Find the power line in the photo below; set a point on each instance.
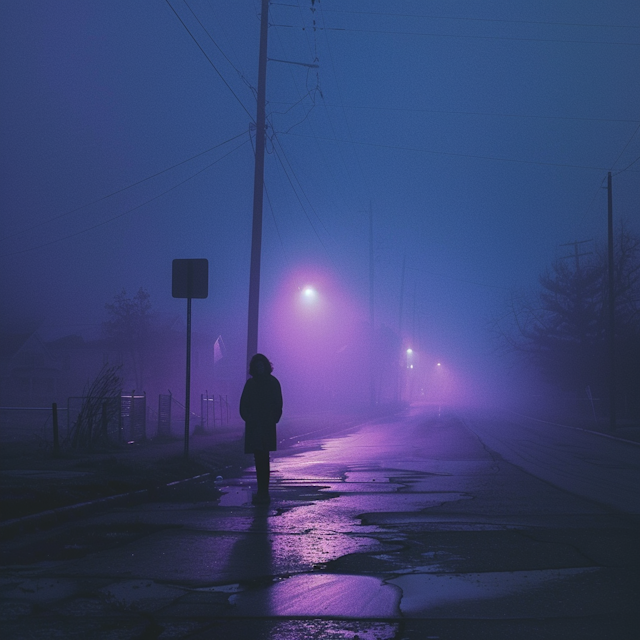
(240, 74)
(474, 113)
(286, 173)
(124, 213)
(633, 135)
(491, 20)
(626, 168)
(273, 216)
(311, 53)
(312, 96)
(286, 257)
(114, 193)
(346, 120)
(317, 90)
(210, 61)
(453, 154)
(293, 173)
(455, 35)
(599, 188)
(593, 198)
(315, 231)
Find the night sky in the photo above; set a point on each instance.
(479, 135)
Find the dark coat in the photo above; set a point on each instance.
(261, 409)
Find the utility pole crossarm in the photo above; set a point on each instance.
(576, 252)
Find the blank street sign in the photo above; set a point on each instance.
(190, 278)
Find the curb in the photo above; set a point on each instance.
(56, 516)
(566, 426)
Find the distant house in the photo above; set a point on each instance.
(29, 373)
(34, 373)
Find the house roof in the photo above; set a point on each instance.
(11, 343)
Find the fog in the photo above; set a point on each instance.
(476, 138)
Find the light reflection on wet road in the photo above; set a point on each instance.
(414, 519)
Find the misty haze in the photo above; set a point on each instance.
(422, 216)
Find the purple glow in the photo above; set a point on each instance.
(313, 336)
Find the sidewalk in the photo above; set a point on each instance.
(405, 528)
(33, 481)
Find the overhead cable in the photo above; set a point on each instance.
(114, 193)
(451, 153)
(210, 62)
(473, 113)
(460, 36)
(491, 20)
(124, 213)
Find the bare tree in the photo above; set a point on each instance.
(100, 407)
(562, 328)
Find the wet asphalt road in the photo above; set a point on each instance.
(438, 524)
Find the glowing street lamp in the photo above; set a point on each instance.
(309, 294)
(409, 358)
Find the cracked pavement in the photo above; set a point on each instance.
(432, 524)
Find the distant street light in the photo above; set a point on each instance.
(409, 358)
(309, 294)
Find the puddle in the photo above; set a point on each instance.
(235, 496)
(438, 562)
(334, 630)
(495, 594)
(321, 595)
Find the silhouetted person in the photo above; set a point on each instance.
(261, 409)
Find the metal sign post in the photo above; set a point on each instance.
(190, 279)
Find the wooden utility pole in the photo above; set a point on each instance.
(258, 190)
(371, 267)
(413, 322)
(372, 368)
(187, 392)
(612, 333)
(399, 369)
(404, 264)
